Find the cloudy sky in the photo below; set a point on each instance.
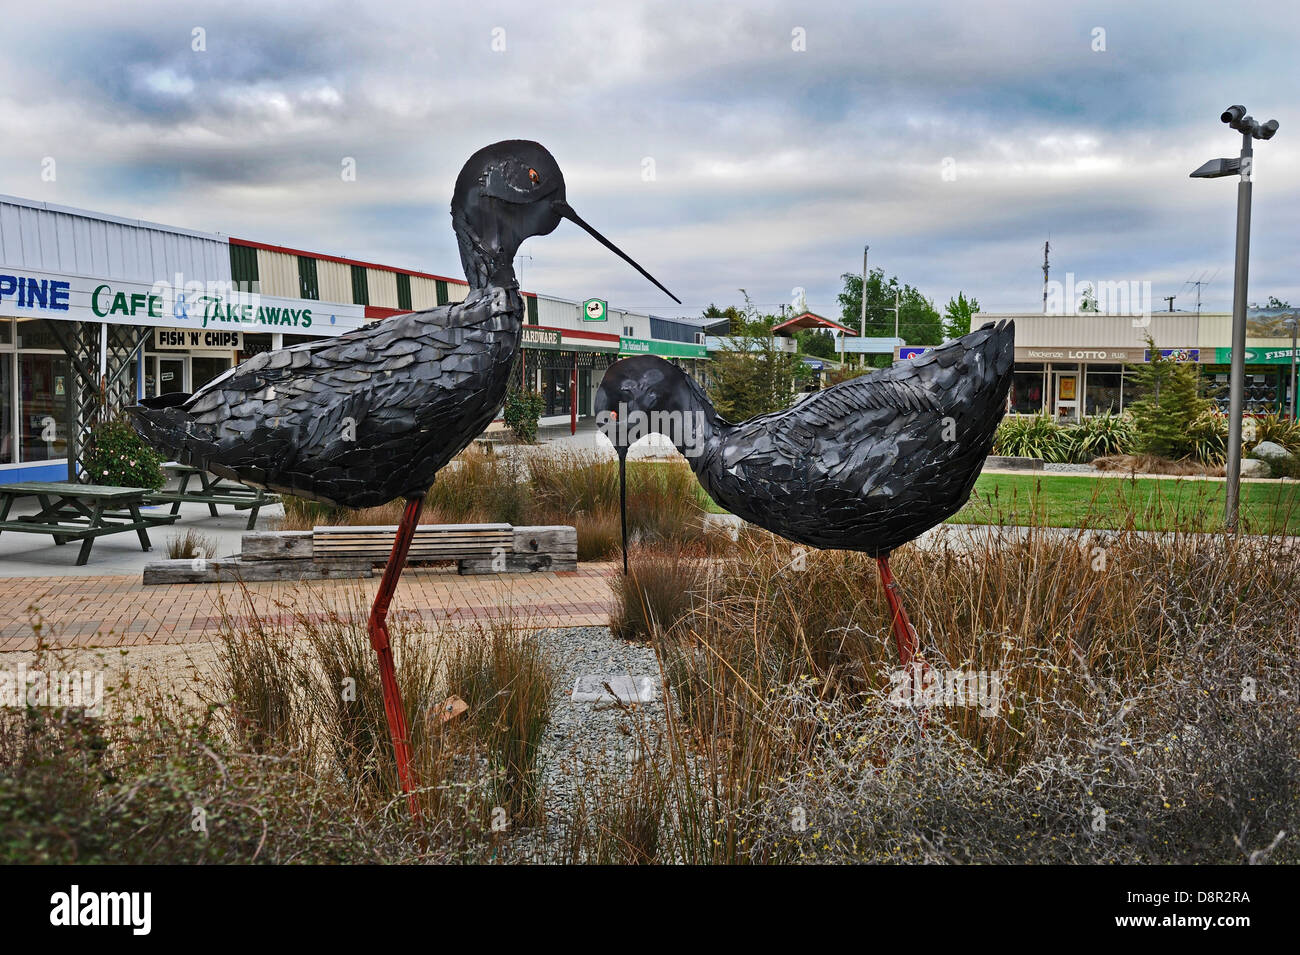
(724, 145)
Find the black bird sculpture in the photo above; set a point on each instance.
(866, 465)
(372, 415)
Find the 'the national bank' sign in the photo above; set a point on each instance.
(191, 305)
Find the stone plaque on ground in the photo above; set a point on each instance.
(591, 688)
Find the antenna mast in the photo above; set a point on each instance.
(1047, 247)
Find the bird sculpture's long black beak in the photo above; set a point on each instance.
(566, 210)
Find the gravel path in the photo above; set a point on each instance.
(1069, 468)
(591, 739)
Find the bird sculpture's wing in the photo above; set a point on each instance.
(332, 419)
(875, 457)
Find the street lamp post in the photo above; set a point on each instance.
(862, 329)
(1294, 322)
(1236, 117)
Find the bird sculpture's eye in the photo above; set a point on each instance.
(533, 177)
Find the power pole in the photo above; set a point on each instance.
(1170, 300)
(862, 331)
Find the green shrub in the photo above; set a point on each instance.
(1033, 436)
(1100, 436)
(1207, 438)
(118, 457)
(1276, 428)
(522, 411)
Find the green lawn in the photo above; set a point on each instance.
(1063, 500)
(1070, 500)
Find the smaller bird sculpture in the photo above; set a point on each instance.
(372, 415)
(866, 465)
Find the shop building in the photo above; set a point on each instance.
(97, 311)
(568, 345)
(1072, 366)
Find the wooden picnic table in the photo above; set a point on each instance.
(81, 512)
(212, 490)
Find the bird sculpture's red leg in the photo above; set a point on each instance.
(378, 627)
(904, 633)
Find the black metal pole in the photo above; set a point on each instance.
(1237, 378)
(1295, 326)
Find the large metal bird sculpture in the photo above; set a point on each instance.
(866, 465)
(372, 415)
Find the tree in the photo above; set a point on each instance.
(918, 322)
(733, 315)
(816, 342)
(958, 314)
(1170, 405)
(753, 376)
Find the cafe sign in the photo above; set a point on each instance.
(168, 303)
(182, 339)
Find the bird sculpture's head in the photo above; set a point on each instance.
(642, 394)
(509, 192)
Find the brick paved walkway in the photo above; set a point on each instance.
(114, 611)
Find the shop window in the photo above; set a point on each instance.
(308, 283)
(1102, 391)
(1027, 389)
(171, 375)
(555, 389)
(203, 369)
(243, 267)
(1262, 393)
(6, 331)
(8, 440)
(36, 333)
(43, 388)
(360, 290)
(1131, 392)
(403, 291)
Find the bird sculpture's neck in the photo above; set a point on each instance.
(487, 260)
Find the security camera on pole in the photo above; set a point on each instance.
(1236, 117)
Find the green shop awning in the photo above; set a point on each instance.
(647, 346)
(1256, 356)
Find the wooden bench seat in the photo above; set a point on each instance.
(431, 542)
